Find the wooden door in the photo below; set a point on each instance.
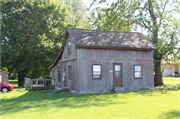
(117, 75)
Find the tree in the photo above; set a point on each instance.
(32, 32)
(112, 18)
(159, 19)
(162, 27)
(77, 13)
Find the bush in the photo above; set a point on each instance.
(176, 74)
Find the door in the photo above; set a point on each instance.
(117, 75)
(168, 71)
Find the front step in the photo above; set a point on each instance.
(119, 89)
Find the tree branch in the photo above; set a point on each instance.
(162, 13)
(153, 17)
(146, 26)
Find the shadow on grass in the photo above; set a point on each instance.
(40, 99)
(159, 89)
(171, 115)
(169, 87)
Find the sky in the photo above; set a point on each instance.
(87, 2)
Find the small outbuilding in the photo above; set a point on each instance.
(4, 76)
(99, 61)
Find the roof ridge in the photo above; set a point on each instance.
(103, 31)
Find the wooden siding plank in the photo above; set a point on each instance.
(107, 58)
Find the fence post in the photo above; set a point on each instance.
(27, 83)
(31, 84)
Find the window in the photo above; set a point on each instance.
(69, 47)
(69, 72)
(52, 72)
(117, 70)
(59, 73)
(97, 71)
(137, 71)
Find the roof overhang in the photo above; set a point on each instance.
(116, 48)
(4, 72)
(60, 53)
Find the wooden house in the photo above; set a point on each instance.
(4, 76)
(99, 61)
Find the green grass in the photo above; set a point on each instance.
(162, 103)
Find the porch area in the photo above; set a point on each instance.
(39, 84)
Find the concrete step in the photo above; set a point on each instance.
(120, 89)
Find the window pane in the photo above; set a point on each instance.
(96, 76)
(69, 47)
(69, 43)
(96, 71)
(69, 72)
(59, 73)
(137, 68)
(117, 68)
(70, 68)
(96, 67)
(137, 74)
(59, 77)
(117, 74)
(69, 50)
(69, 76)
(59, 69)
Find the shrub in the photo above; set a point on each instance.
(176, 74)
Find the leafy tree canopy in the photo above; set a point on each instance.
(77, 13)
(32, 32)
(159, 18)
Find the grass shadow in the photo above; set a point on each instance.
(40, 100)
(171, 115)
(168, 87)
(36, 99)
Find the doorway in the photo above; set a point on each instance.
(117, 75)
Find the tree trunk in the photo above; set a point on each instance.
(21, 76)
(20, 79)
(158, 75)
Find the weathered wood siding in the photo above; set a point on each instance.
(52, 74)
(66, 56)
(87, 57)
(4, 76)
(64, 62)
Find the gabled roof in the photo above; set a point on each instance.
(106, 39)
(110, 39)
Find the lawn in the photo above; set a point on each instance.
(161, 103)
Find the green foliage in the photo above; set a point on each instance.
(32, 32)
(162, 103)
(159, 18)
(4, 69)
(77, 14)
(115, 17)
